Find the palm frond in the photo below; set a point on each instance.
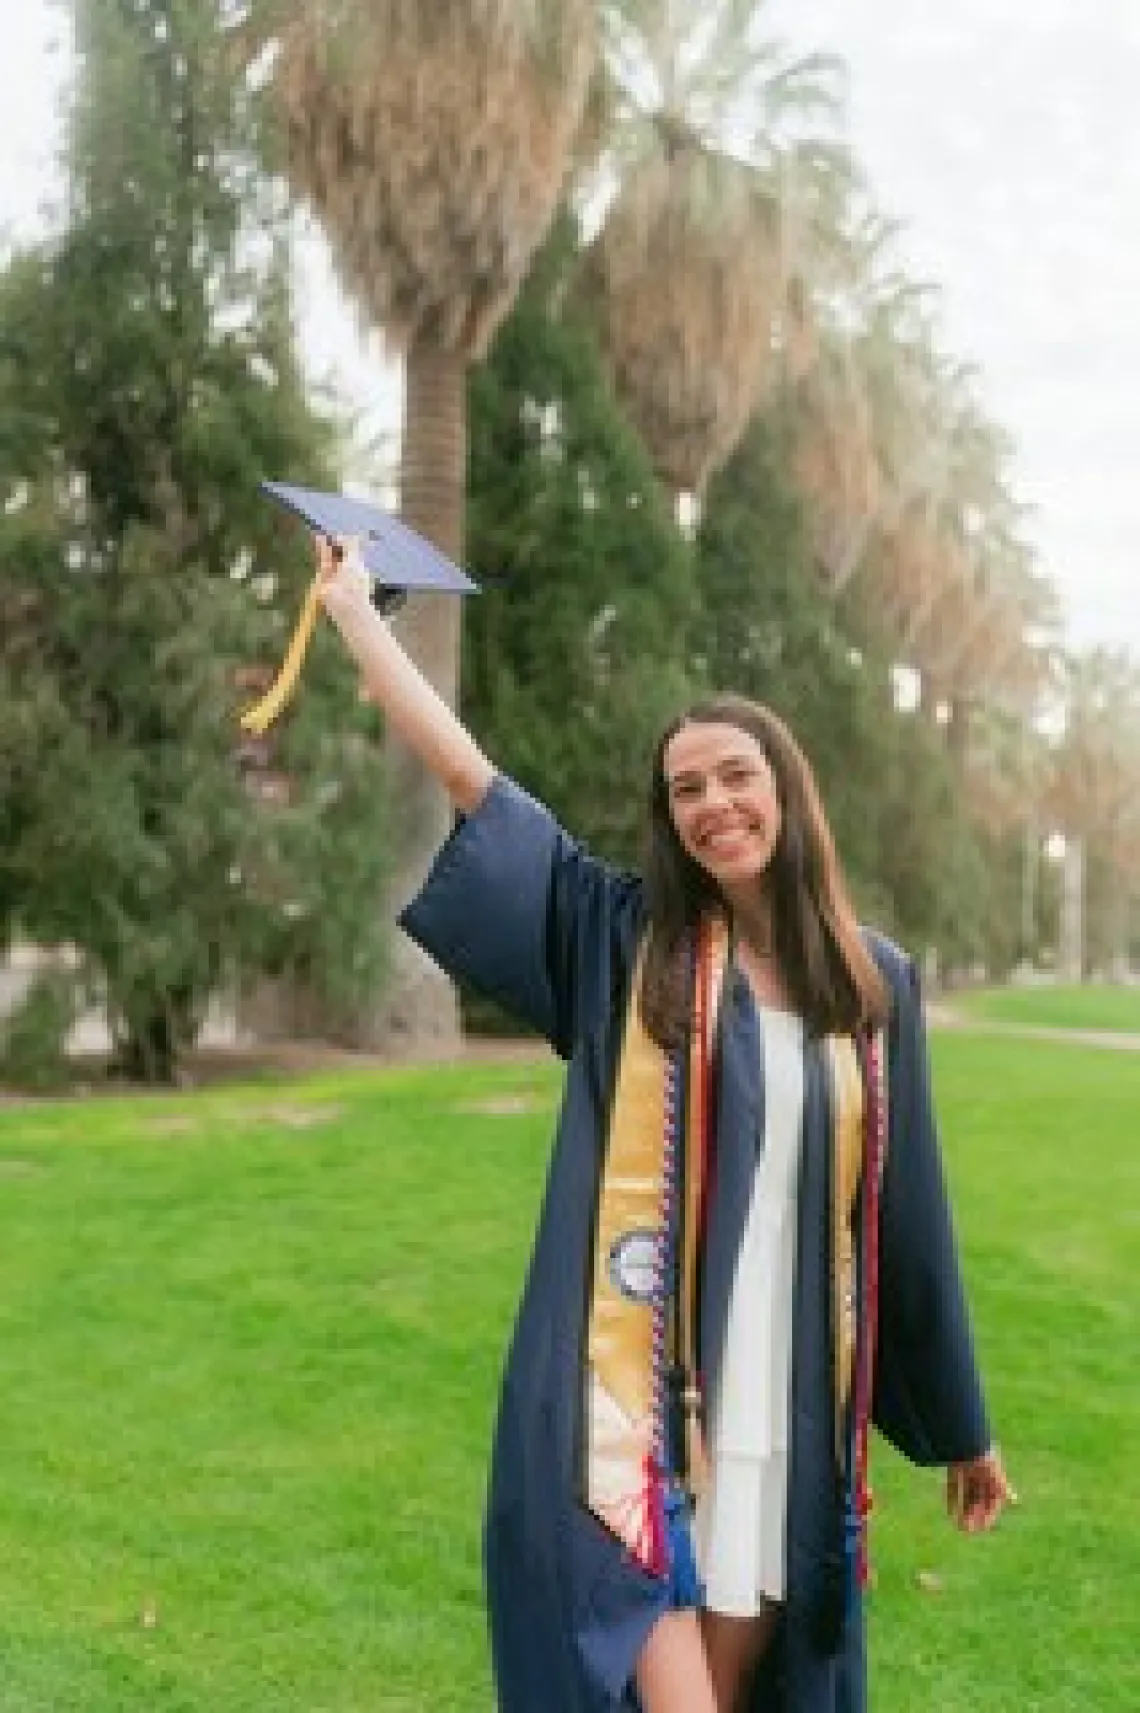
(690, 361)
(433, 144)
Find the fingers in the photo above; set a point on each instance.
(977, 1493)
(328, 556)
(954, 1494)
(345, 584)
(981, 1510)
(334, 551)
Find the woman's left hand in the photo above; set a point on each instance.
(978, 1491)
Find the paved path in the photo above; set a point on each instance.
(221, 1065)
(301, 1057)
(941, 1014)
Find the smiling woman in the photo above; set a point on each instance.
(745, 1250)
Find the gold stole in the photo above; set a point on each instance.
(847, 1133)
(851, 1146)
(652, 1151)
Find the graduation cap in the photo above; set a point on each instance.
(395, 557)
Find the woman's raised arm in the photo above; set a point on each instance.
(411, 707)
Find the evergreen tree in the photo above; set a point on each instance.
(576, 650)
(147, 382)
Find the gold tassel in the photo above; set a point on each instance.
(260, 717)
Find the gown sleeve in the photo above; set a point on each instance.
(928, 1394)
(518, 909)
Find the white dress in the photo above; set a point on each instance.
(740, 1521)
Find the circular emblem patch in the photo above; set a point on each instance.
(634, 1265)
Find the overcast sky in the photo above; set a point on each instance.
(1004, 133)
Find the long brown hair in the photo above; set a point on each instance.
(831, 977)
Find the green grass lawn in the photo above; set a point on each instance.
(249, 1342)
(1090, 1007)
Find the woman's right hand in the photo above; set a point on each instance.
(345, 586)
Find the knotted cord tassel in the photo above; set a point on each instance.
(262, 715)
(685, 1587)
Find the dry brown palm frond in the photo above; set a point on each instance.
(993, 626)
(433, 142)
(839, 484)
(912, 576)
(798, 332)
(990, 632)
(953, 634)
(592, 156)
(999, 657)
(994, 791)
(714, 64)
(833, 463)
(685, 280)
(689, 274)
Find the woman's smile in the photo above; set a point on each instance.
(728, 841)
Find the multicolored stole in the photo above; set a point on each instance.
(657, 1159)
(654, 1182)
(857, 1077)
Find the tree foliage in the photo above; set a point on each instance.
(576, 649)
(147, 382)
(598, 621)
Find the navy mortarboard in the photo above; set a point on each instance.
(395, 557)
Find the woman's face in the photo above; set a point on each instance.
(723, 802)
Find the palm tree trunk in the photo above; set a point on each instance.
(1071, 937)
(418, 1011)
(958, 727)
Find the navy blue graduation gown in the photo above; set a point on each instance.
(518, 909)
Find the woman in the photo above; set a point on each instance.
(745, 1247)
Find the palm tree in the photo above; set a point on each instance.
(1095, 788)
(432, 142)
(872, 425)
(833, 462)
(993, 635)
(981, 620)
(1003, 772)
(690, 274)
